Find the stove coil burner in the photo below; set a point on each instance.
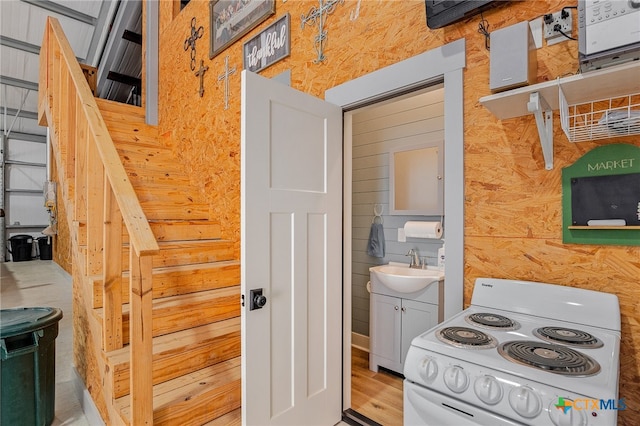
(568, 336)
(463, 337)
(492, 321)
(556, 359)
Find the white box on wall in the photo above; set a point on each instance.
(513, 60)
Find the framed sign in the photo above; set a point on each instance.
(271, 45)
(231, 19)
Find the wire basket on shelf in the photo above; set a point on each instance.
(601, 119)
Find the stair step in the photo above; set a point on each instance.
(127, 132)
(234, 418)
(156, 210)
(145, 153)
(185, 230)
(196, 398)
(180, 353)
(181, 279)
(165, 196)
(175, 179)
(177, 313)
(174, 253)
(146, 158)
(126, 111)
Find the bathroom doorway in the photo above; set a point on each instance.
(378, 130)
(444, 66)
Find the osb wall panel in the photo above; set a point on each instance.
(62, 241)
(85, 344)
(512, 204)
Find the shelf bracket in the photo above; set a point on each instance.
(544, 120)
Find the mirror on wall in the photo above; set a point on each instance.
(416, 180)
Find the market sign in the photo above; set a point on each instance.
(269, 46)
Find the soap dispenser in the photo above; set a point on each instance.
(441, 256)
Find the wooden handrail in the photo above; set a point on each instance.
(104, 199)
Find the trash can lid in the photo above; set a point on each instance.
(21, 237)
(25, 320)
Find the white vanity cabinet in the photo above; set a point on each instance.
(396, 318)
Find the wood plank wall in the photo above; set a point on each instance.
(512, 204)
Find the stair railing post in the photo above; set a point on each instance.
(95, 209)
(112, 279)
(140, 338)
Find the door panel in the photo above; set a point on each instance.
(291, 211)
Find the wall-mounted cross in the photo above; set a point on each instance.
(225, 76)
(191, 41)
(200, 73)
(319, 14)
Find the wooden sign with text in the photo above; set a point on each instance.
(269, 46)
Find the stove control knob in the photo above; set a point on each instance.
(488, 390)
(525, 401)
(456, 379)
(564, 415)
(428, 369)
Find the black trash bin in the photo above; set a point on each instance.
(20, 247)
(28, 358)
(45, 248)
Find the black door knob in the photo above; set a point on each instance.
(256, 299)
(259, 301)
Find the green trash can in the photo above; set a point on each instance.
(28, 357)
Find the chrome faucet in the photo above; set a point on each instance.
(415, 259)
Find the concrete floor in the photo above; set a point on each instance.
(42, 283)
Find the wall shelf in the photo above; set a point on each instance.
(542, 98)
(604, 227)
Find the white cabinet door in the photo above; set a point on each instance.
(394, 324)
(385, 326)
(417, 317)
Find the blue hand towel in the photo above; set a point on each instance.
(375, 247)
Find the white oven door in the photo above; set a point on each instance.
(426, 407)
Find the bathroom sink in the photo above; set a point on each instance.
(404, 279)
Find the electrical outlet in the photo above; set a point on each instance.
(557, 21)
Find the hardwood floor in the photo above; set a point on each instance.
(375, 395)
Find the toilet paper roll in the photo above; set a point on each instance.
(416, 229)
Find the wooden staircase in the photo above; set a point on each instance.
(188, 373)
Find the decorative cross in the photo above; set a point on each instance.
(200, 73)
(225, 76)
(326, 7)
(191, 41)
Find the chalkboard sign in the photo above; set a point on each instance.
(604, 198)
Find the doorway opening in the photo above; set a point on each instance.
(441, 65)
(402, 122)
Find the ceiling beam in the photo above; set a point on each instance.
(16, 82)
(19, 44)
(62, 10)
(125, 79)
(22, 114)
(29, 137)
(132, 37)
(100, 36)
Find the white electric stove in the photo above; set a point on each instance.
(523, 353)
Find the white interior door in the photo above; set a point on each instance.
(291, 249)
